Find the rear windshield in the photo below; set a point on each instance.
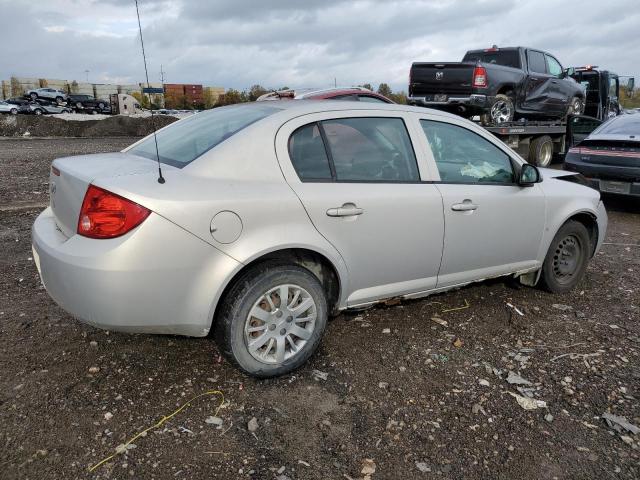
(623, 125)
(184, 141)
(506, 58)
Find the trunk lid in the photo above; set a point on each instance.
(610, 151)
(452, 78)
(70, 177)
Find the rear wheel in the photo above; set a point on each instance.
(502, 110)
(38, 111)
(34, 96)
(59, 99)
(567, 258)
(14, 111)
(541, 151)
(272, 319)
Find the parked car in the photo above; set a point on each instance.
(500, 84)
(610, 156)
(343, 93)
(86, 102)
(20, 103)
(40, 107)
(48, 94)
(8, 108)
(275, 215)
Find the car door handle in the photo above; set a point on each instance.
(465, 206)
(346, 210)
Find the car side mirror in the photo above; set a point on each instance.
(529, 174)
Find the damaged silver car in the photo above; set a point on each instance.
(275, 215)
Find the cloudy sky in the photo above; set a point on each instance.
(301, 43)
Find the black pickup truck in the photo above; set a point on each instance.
(499, 84)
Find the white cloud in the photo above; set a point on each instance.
(237, 43)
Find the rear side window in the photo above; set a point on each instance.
(357, 150)
(463, 156)
(308, 155)
(184, 141)
(536, 62)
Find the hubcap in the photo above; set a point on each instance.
(566, 259)
(500, 112)
(546, 152)
(280, 323)
(576, 106)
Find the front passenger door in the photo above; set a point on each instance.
(492, 225)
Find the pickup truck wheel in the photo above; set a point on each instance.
(501, 111)
(576, 106)
(541, 151)
(567, 258)
(272, 319)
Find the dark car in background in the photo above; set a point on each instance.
(610, 156)
(20, 103)
(357, 94)
(86, 102)
(500, 84)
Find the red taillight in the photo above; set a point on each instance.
(577, 150)
(107, 215)
(479, 77)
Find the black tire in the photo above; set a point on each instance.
(576, 106)
(100, 106)
(560, 273)
(59, 100)
(240, 299)
(501, 110)
(79, 105)
(38, 111)
(33, 96)
(541, 151)
(13, 111)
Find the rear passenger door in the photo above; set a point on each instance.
(358, 178)
(492, 225)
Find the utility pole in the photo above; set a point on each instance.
(86, 72)
(161, 74)
(335, 82)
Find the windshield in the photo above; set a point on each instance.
(184, 141)
(506, 58)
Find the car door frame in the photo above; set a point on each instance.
(412, 288)
(434, 175)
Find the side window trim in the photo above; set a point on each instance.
(327, 151)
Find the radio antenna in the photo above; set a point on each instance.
(153, 122)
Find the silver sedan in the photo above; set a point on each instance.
(270, 217)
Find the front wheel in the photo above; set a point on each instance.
(14, 111)
(272, 319)
(33, 96)
(38, 111)
(576, 106)
(567, 258)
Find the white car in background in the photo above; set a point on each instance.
(8, 108)
(48, 94)
(272, 216)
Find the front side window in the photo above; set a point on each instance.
(536, 62)
(371, 149)
(463, 156)
(184, 141)
(553, 66)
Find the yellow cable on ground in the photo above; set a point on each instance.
(159, 424)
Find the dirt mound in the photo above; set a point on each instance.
(44, 126)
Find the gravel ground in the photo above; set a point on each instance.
(410, 390)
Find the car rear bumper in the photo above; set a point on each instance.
(473, 101)
(158, 278)
(616, 179)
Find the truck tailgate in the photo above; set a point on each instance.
(453, 78)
